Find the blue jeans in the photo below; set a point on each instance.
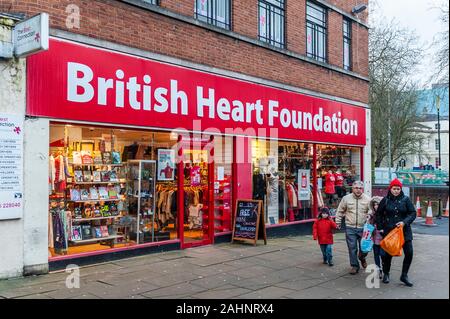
(327, 252)
(377, 254)
(353, 237)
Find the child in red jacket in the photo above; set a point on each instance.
(323, 231)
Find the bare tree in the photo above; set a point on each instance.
(441, 43)
(394, 54)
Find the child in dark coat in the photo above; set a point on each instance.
(323, 232)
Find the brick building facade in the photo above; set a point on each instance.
(282, 59)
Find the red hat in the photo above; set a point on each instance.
(395, 182)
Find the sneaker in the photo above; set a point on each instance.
(354, 271)
(380, 274)
(330, 264)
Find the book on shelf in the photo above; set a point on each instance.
(106, 157)
(78, 176)
(93, 193)
(86, 158)
(112, 193)
(113, 176)
(87, 176)
(103, 193)
(97, 178)
(98, 159)
(75, 194)
(97, 232)
(86, 231)
(84, 194)
(76, 233)
(76, 158)
(115, 158)
(106, 176)
(104, 231)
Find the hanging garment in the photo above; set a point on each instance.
(330, 181)
(52, 172)
(51, 244)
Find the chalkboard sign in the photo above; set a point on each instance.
(248, 224)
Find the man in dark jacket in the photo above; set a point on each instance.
(395, 210)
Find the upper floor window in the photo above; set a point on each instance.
(215, 12)
(271, 22)
(316, 32)
(151, 1)
(347, 33)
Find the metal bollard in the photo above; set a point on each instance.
(439, 209)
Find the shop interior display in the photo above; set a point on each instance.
(335, 167)
(103, 190)
(222, 207)
(275, 180)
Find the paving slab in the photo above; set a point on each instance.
(267, 293)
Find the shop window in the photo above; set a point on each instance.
(271, 22)
(215, 12)
(283, 180)
(110, 188)
(337, 169)
(223, 159)
(316, 32)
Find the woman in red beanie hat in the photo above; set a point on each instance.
(395, 210)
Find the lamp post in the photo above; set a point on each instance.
(438, 102)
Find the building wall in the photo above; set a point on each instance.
(142, 28)
(169, 30)
(12, 101)
(429, 153)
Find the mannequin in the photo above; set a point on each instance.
(330, 180)
(340, 189)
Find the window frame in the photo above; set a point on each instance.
(347, 39)
(212, 17)
(152, 2)
(269, 7)
(315, 28)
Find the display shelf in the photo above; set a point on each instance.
(141, 177)
(80, 220)
(93, 240)
(113, 165)
(94, 200)
(95, 183)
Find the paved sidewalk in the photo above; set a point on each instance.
(285, 268)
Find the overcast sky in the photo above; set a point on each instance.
(419, 15)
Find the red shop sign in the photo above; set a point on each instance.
(78, 82)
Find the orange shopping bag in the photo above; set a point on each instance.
(393, 242)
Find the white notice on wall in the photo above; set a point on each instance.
(11, 166)
(220, 173)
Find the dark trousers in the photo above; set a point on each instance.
(408, 252)
(377, 254)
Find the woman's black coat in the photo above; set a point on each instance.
(393, 210)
